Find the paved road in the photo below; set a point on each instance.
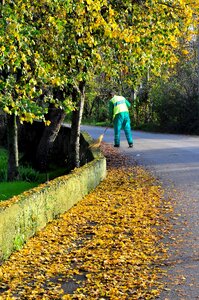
(174, 159)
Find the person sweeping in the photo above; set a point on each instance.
(119, 114)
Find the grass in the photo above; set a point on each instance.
(97, 123)
(92, 122)
(29, 178)
(10, 189)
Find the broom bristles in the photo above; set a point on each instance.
(97, 143)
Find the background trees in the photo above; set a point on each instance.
(51, 51)
(172, 60)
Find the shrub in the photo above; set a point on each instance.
(3, 164)
(28, 174)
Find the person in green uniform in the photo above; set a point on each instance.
(119, 114)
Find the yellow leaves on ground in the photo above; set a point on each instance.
(108, 246)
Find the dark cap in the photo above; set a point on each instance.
(111, 93)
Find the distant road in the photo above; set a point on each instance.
(174, 160)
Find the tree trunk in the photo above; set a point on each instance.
(79, 98)
(13, 156)
(198, 59)
(56, 116)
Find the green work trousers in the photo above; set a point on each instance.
(122, 121)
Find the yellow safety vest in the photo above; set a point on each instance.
(119, 105)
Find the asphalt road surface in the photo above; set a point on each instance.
(174, 160)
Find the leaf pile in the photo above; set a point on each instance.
(108, 246)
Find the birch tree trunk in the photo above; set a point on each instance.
(78, 98)
(198, 59)
(13, 156)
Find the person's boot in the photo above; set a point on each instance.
(131, 145)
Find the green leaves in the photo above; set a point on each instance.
(55, 41)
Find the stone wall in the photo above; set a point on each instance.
(22, 216)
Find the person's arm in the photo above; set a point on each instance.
(128, 104)
(111, 110)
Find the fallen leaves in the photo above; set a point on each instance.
(108, 246)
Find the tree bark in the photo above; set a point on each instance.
(198, 59)
(79, 98)
(56, 116)
(13, 156)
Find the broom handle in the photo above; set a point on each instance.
(105, 130)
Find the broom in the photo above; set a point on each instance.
(96, 143)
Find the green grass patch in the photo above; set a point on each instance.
(10, 189)
(93, 122)
(28, 177)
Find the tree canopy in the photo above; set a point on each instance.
(58, 43)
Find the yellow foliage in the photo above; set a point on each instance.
(68, 35)
(106, 246)
(47, 122)
(6, 110)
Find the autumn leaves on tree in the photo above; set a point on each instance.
(50, 49)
